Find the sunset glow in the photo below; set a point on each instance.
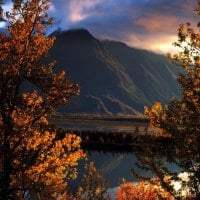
(140, 23)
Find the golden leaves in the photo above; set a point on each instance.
(32, 98)
(58, 163)
(26, 113)
(56, 158)
(40, 161)
(61, 89)
(155, 114)
(24, 42)
(141, 190)
(94, 185)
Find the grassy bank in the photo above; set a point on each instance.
(113, 134)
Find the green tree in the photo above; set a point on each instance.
(181, 119)
(35, 161)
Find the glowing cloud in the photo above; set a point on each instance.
(160, 44)
(157, 23)
(147, 24)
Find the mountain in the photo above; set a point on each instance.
(114, 78)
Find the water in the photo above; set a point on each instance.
(113, 166)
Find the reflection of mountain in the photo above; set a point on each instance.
(111, 164)
(114, 78)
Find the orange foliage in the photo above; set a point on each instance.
(94, 185)
(35, 161)
(154, 113)
(141, 191)
(55, 158)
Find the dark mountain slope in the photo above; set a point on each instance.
(114, 78)
(151, 73)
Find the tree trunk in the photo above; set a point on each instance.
(6, 172)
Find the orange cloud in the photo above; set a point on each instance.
(160, 44)
(158, 23)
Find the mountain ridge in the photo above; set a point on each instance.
(114, 78)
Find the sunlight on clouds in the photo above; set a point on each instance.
(164, 47)
(157, 23)
(144, 24)
(161, 44)
(79, 9)
(164, 44)
(133, 39)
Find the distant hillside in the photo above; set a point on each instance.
(114, 78)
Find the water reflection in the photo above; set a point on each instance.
(117, 165)
(112, 165)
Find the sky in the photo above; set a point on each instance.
(146, 24)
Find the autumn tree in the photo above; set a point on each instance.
(141, 191)
(93, 186)
(154, 114)
(35, 161)
(181, 118)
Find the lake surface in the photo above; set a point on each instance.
(112, 165)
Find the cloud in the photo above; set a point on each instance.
(161, 43)
(79, 10)
(6, 1)
(52, 8)
(143, 23)
(2, 24)
(7, 5)
(154, 23)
